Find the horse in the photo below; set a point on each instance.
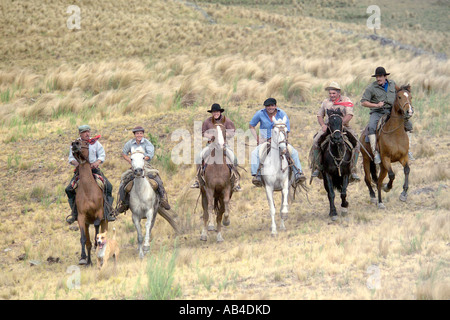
(393, 144)
(89, 200)
(275, 171)
(144, 201)
(337, 157)
(216, 186)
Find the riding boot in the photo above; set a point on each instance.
(74, 216)
(354, 175)
(317, 164)
(109, 212)
(257, 179)
(196, 184)
(237, 179)
(164, 202)
(410, 155)
(124, 197)
(373, 146)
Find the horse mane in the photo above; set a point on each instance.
(405, 87)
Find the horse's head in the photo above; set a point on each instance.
(138, 162)
(335, 125)
(220, 134)
(80, 150)
(403, 104)
(279, 133)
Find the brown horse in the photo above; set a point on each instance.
(89, 200)
(393, 146)
(216, 187)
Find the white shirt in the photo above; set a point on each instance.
(96, 152)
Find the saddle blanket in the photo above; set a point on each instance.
(98, 178)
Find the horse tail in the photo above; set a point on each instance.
(168, 218)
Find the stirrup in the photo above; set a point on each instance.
(237, 188)
(257, 181)
(70, 219)
(195, 185)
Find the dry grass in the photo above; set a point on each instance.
(160, 64)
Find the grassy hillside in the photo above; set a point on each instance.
(161, 64)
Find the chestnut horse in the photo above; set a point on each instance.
(216, 187)
(89, 200)
(393, 144)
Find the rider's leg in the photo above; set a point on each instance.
(71, 199)
(355, 152)
(373, 122)
(316, 165)
(232, 160)
(255, 167)
(124, 197)
(198, 160)
(299, 176)
(162, 192)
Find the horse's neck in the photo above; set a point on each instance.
(85, 171)
(395, 118)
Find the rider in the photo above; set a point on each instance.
(96, 157)
(216, 114)
(265, 118)
(149, 152)
(380, 96)
(335, 101)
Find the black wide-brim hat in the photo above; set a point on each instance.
(216, 107)
(380, 71)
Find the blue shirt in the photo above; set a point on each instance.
(385, 86)
(265, 124)
(148, 147)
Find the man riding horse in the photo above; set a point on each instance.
(127, 176)
(207, 131)
(335, 101)
(379, 96)
(265, 117)
(96, 157)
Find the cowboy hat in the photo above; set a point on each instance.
(84, 128)
(216, 107)
(380, 71)
(333, 86)
(137, 129)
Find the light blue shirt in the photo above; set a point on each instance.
(149, 149)
(96, 152)
(265, 124)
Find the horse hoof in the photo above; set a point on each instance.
(403, 197)
(82, 262)
(344, 211)
(211, 228)
(385, 188)
(284, 216)
(146, 248)
(226, 222)
(203, 238)
(334, 217)
(381, 205)
(219, 238)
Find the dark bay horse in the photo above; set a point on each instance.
(337, 157)
(216, 186)
(89, 200)
(393, 144)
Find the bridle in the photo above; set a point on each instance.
(403, 115)
(80, 155)
(341, 145)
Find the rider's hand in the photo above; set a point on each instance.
(380, 104)
(324, 128)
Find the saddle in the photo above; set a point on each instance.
(98, 178)
(264, 150)
(129, 176)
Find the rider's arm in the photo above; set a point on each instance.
(255, 135)
(322, 123)
(369, 104)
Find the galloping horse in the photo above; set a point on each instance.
(144, 201)
(89, 200)
(337, 156)
(275, 171)
(216, 187)
(393, 146)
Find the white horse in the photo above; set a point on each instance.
(275, 171)
(144, 201)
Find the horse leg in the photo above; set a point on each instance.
(284, 205)
(367, 180)
(210, 196)
(88, 246)
(226, 203)
(383, 173)
(204, 234)
(137, 224)
(387, 164)
(220, 209)
(148, 230)
(344, 202)
(269, 194)
(328, 184)
(404, 195)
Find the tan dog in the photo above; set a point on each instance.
(106, 248)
